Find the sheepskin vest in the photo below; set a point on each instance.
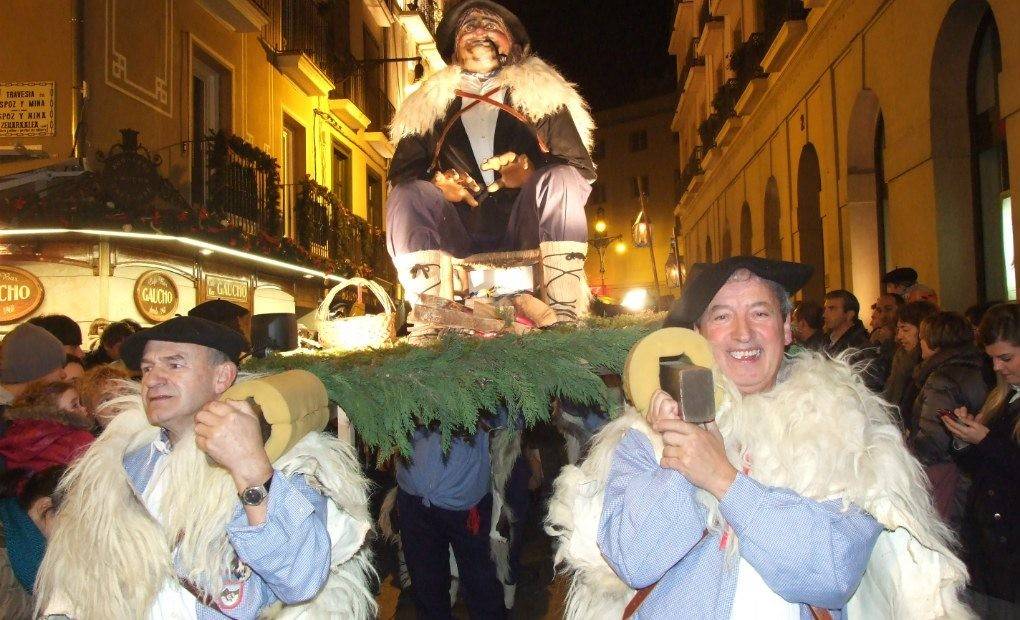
(108, 558)
(848, 449)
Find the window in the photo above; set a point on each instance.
(342, 174)
(598, 150)
(638, 141)
(598, 194)
(292, 170)
(639, 185)
(375, 201)
(210, 113)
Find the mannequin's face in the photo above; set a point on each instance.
(481, 38)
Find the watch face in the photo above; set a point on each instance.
(253, 496)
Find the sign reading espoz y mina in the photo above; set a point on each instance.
(156, 296)
(20, 294)
(27, 109)
(230, 289)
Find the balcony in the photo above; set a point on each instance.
(785, 25)
(420, 20)
(692, 172)
(308, 51)
(331, 231)
(691, 60)
(240, 15)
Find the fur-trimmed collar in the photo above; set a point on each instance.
(48, 413)
(536, 90)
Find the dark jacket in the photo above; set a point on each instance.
(948, 379)
(991, 525)
(856, 337)
(415, 151)
(899, 387)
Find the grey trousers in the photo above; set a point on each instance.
(549, 207)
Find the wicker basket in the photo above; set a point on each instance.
(356, 332)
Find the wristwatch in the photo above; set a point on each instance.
(254, 496)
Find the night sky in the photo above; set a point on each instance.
(614, 49)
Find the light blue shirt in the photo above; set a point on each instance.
(288, 554)
(652, 531)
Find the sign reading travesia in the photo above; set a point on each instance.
(156, 296)
(27, 109)
(20, 294)
(230, 289)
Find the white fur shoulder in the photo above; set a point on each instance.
(537, 90)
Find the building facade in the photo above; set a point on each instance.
(635, 152)
(235, 147)
(853, 135)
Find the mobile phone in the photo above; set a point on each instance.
(948, 413)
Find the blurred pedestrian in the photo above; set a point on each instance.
(807, 324)
(108, 349)
(899, 386)
(899, 280)
(28, 354)
(66, 329)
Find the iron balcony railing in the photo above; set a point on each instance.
(691, 169)
(691, 60)
(306, 28)
(429, 11)
(745, 61)
(706, 16)
(232, 177)
(778, 12)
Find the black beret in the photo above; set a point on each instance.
(900, 275)
(705, 279)
(446, 32)
(185, 329)
(218, 310)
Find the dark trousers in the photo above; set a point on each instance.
(427, 534)
(518, 499)
(549, 207)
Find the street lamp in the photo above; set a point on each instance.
(674, 268)
(601, 242)
(641, 233)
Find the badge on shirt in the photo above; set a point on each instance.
(233, 589)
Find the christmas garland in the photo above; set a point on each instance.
(389, 393)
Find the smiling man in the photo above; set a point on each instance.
(492, 156)
(772, 513)
(244, 533)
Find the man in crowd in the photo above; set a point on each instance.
(772, 513)
(899, 280)
(492, 156)
(110, 341)
(67, 331)
(843, 326)
(28, 353)
(921, 292)
(807, 325)
(249, 535)
(883, 318)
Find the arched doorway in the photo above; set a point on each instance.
(865, 212)
(809, 221)
(745, 230)
(773, 241)
(969, 156)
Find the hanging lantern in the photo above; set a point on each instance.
(673, 266)
(639, 231)
(600, 221)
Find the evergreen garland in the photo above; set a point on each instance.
(387, 393)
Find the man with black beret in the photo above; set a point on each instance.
(493, 155)
(274, 546)
(899, 280)
(221, 311)
(773, 509)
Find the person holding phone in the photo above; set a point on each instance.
(987, 446)
(178, 512)
(952, 373)
(771, 511)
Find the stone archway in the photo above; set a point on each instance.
(864, 214)
(968, 219)
(773, 240)
(746, 233)
(809, 221)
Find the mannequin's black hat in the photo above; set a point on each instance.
(446, 32)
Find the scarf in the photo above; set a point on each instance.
(25, 543)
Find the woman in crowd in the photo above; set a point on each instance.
(25, 523)
(47, 425)
(987, 446)
(952, 374)
(99, 386)
(899, 387)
